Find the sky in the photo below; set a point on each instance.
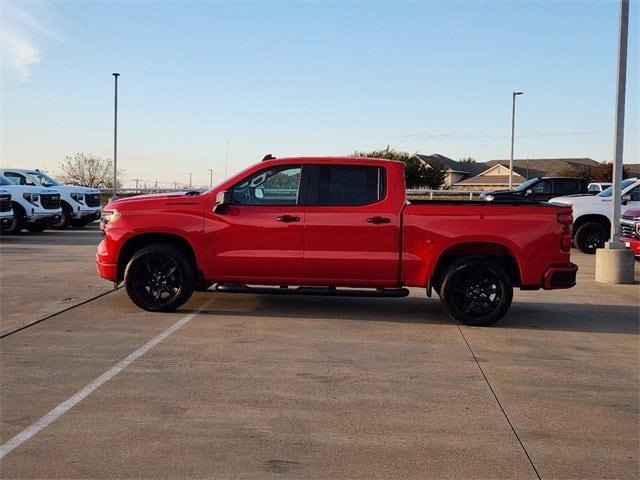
(308, 78)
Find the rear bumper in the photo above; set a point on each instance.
(560, 276)
(632, 244)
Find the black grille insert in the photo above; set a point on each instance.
(92, 199)
(50, 201)
(5, 203)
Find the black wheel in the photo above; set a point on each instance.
(17, 224)
(36, 228)
(159, 278)
(65, 218)
(476, 291)
(591, 236)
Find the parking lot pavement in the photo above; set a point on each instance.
(290, 387)
(44, 273)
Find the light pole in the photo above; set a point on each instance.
(614, 263)
(513, 129)
(189, 180)
(115, 135)
(211, 178)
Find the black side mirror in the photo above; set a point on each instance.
(223, 198)
(626, 198)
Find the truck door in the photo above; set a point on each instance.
(259, 236)
(352, 227)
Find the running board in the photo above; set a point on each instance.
(324, 291)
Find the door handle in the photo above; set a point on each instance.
(287, 218)
(379, 220)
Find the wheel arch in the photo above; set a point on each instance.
(16, 206)
(136, 242)
(496, 250)
(591, 217)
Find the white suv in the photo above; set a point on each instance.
(592, 214)
(34, 208)
(80, 205)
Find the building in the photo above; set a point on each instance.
(455, 171)
(495, 173)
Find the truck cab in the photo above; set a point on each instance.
(80, 205)
(544, 188)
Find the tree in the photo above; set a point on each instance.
(467, 160)
(417, 172)
(89, 170)
(603, 172)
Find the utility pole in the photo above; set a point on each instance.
(614, 263)
(115, 136)
(513, 128)
(136, 180)
(226, 160)
(189, 180)
(211, 178)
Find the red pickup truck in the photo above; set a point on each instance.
(317, 225)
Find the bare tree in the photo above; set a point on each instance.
(89, 170)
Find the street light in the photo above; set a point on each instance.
(211, 178)
(513, 128)
(115, 135)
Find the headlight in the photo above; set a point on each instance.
(78, 197)
(31, 197)
(109, 218)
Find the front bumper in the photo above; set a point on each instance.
(88, 215)
(43, 219)
(107, 269)
(560, 276)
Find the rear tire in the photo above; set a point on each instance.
(160, 278)
(476, 291)
(36, 228)
(591, 236)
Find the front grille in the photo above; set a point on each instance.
(627, 230)
(92, 199)
(50, 201)
(5, 203)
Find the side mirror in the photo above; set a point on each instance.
(223, 199)
(529, 191)
(626, 198)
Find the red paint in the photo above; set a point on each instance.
(336, 245)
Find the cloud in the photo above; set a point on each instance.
(21, 32)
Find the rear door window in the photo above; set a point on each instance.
(347, 185)
(567, 186)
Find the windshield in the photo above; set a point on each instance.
(4, 180)
(525, 185)
(44, 179)
(625, 183)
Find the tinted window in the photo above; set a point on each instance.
(543, 186)
(347, 185)
(17, 179)
(635, 194)
(273, 186)
(567, 186)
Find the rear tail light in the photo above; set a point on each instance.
(566, 220)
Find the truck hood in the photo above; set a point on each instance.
(131, 202)
(74, 189)
(579, 199)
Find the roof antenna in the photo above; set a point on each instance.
(269, 156)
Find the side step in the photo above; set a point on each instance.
(323, 291)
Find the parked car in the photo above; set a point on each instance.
(597, 187)
(543, 188)
(34, 208)
(592, 214)
(6, 212)
(326, 223)
(630, 230)
(80, 205)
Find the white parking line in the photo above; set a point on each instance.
(65, 406)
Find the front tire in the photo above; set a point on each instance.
(17, 224)
(476, 291)
(160, 278)
(36, 228)
(65, 218)
(591, 236)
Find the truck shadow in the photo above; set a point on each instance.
(569, 317)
